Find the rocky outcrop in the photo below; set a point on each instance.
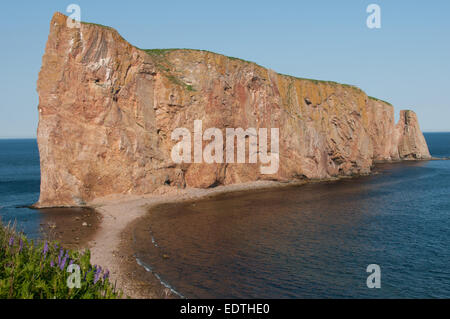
(107, 110)
(411, 142)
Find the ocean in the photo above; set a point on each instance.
(310, 241)
(20, 180)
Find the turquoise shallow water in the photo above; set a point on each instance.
(312, 241)
(309, 241)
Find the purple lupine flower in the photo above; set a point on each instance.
(45, 250)
(70, 262)
(63, 263)
(61, 252)
(106, 275)
(97, 275)
(56, 246)
(52, 264)
(11, 241)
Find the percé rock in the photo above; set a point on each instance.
(107, 110)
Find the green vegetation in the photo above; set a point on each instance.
(162, 52)
(323, 82)
(177, 81)
(239, 59)
(98, 25)
(165, 67)
(158, 52)
(163, 64)
(375, 99)
(161, 55)
(30, 270)
(311, 80)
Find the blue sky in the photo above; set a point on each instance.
(406, 62)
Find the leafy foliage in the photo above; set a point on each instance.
(30, 270)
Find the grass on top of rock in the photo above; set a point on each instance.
(162, 64)
(375, 99)
(160, 56)
(165, 67)
(33, 270)
(162, 52)
(98, 25)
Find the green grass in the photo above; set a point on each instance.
(177, 81)
(158, 52)
(161, 54)
(163, 65)
(98, 25)
(32, 270)
(375, 99)
(315, 81)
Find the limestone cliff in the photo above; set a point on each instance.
(107, 110)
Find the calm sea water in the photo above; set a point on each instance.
(312, 241)
(299, 242)
(19, 184)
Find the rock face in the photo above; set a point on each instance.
(107, 110)
(411, 143)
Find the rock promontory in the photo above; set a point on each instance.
(107, 111)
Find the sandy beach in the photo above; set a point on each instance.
(110, 245)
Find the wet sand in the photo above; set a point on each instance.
(74, 228)
(112, 245)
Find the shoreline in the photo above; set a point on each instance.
(112, 241)
(110, 246)
(74, 228)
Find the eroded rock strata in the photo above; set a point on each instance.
(107, 110)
